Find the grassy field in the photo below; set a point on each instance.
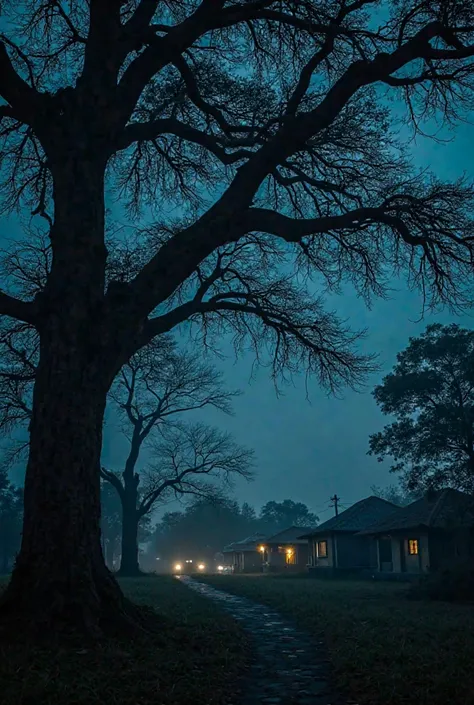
(198, 654)
(385, 649)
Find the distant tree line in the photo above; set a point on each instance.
(203, 528)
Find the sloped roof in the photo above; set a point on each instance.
(293, 533)
(436, 510)
(358, 517)
(248, 544)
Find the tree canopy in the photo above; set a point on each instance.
(431, 395)
(276, 516)
(396, 495)
(259, 122)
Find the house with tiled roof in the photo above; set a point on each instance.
(285, 551)
(434, 533)
(337, 545)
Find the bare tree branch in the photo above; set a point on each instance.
(114, 480)
(186, 456)
(141, 132)
(15, 308)
(23, 98)
(297, 147)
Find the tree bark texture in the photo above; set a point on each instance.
(60, 581)
(129, 565)
(129, 556)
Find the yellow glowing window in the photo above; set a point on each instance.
(413, 547)
(322, 549)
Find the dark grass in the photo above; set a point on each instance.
(198, 654)
(385, 649)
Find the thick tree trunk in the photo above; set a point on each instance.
(129, 558)
(129, 555)
(60, 581)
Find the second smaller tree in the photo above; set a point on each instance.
(151, 393)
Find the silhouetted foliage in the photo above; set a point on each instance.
(397, 495)
(431, 395)
(202, 530)
(276, 516)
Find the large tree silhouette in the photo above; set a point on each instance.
(430, 394)
(263, 125)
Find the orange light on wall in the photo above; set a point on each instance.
(261, 549)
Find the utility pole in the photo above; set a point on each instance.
(335, 500)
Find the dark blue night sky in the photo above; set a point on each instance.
(309, 451)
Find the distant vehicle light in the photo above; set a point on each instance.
(177, 566)
(201, 566)
(220, 568)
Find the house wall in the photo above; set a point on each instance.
(437, 550)
(355, 551)
(402, 561)
(302, 551)
(322, 562)
(236, 560)
(251, 562)
(244, 561)
(425, 553)
(396, 555)
(385, 554)
(276, 560)
(345, 552)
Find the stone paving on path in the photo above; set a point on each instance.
(289, 667)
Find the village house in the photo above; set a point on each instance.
(285, 551)
(245, 556)
(431, 534)
(336, 545)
